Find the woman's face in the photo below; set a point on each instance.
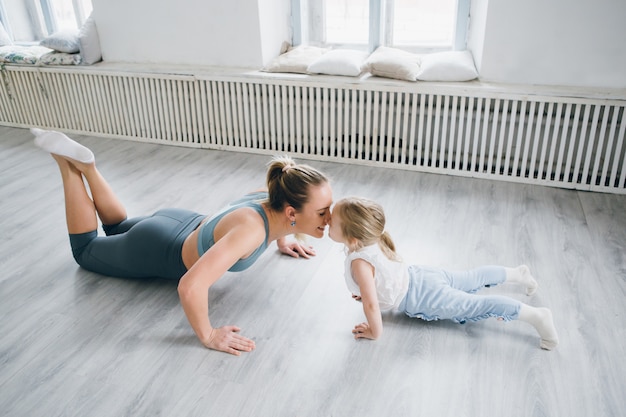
(315, 214)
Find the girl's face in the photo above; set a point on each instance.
(315, 214)
(334, 229)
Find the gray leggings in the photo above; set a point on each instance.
(141, 247)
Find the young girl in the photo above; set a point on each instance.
(375, 275)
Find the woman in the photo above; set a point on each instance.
(180, 244)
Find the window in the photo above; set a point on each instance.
(32, 20)
(413, 25)
(345, 22)
(65, 14)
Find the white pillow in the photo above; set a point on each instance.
(394, 63)
(348, 62)
(5, 39)
(89, 42)
(62, 41)
(296, 59)
(448, 66)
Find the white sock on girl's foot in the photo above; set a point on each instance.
(521, 275)
(59, 144)
(541, 319)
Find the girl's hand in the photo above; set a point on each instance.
(227, 340)
(363, 331)
(296, 250)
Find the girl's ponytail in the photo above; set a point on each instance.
(363, 220)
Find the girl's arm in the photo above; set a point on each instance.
(363, 273)
(193, 287)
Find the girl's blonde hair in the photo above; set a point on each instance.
(363, 220)
(288, 183)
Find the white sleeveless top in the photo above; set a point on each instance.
(391, 277)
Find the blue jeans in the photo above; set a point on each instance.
(141, 247)
(436, 294)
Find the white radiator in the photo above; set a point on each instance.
(552, 140)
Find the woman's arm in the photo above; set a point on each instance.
(193, 287)
(363, 273)
(293, 248)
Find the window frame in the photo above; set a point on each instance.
(41, 20)
(307, 19)
(5, 20)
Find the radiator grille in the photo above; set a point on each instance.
(558, 141)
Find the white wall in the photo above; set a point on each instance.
(196, 32)
(476, 32)
(275, 19)
(556, 42)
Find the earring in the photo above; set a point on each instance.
(293, 223)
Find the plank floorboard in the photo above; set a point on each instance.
(75, 343)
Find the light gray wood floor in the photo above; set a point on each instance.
(74, 343)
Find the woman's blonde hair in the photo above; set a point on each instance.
(288, 183)
(363, 220)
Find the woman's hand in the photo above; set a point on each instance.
(226, 339)
(295, 249)
(235, 237)
(363, 331)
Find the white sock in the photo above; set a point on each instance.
(521, 275)
(541, 319)
(59, 144)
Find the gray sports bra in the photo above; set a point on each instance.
(205, 234)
